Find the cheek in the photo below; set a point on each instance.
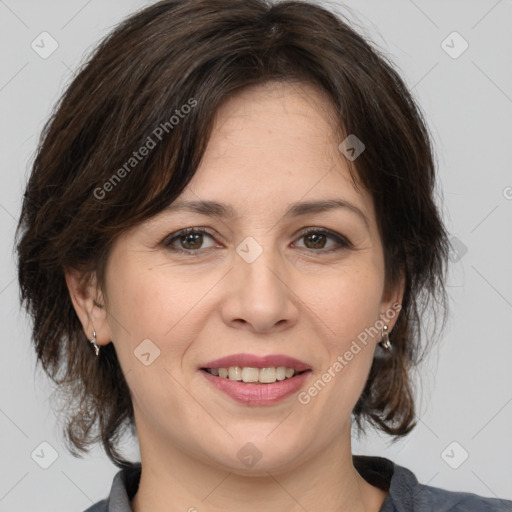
(352, 300)
(154, 303)
(352, 308)
(351, 311)
(152, 313)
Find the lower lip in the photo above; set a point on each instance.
(258, 394)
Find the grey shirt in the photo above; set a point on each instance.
(406, 494)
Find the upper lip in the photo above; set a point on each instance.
(254, 361)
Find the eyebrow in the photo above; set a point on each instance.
(220, 210)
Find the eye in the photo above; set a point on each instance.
(316, 238)
(190, 240)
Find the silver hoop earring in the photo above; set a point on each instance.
(93, 341)
(384, 342)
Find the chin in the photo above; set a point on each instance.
(257, 456)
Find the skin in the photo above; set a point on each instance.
(272, 145)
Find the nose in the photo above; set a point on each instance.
(260, 295)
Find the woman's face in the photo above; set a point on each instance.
(257, 285)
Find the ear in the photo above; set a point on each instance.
(89, 305)
(392, 302)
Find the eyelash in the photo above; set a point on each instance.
(343, 242)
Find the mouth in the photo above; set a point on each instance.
(256, 380)
(253, 386)
(255, 376)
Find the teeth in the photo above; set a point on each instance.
(280, 373)
(289, 372)
(235, 373)
(253, 375)
(267, 375)
(249, 374)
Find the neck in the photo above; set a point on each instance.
(171, 478)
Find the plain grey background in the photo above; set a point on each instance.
(465, 394)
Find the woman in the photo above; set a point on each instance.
(227, 243)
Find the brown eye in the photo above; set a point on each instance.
(316, 239)
(191, 241)
(187, 240)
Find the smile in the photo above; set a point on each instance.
(254, 392)
(249, 374)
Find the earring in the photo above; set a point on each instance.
(384, 342)
(93, 341)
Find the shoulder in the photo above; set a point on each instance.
(124, 487)
(100, 506)
(411, 495)
(442, 500)
(406, 494)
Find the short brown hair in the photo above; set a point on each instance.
(171, 54)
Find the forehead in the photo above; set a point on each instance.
(275, 143)
(301, 107)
